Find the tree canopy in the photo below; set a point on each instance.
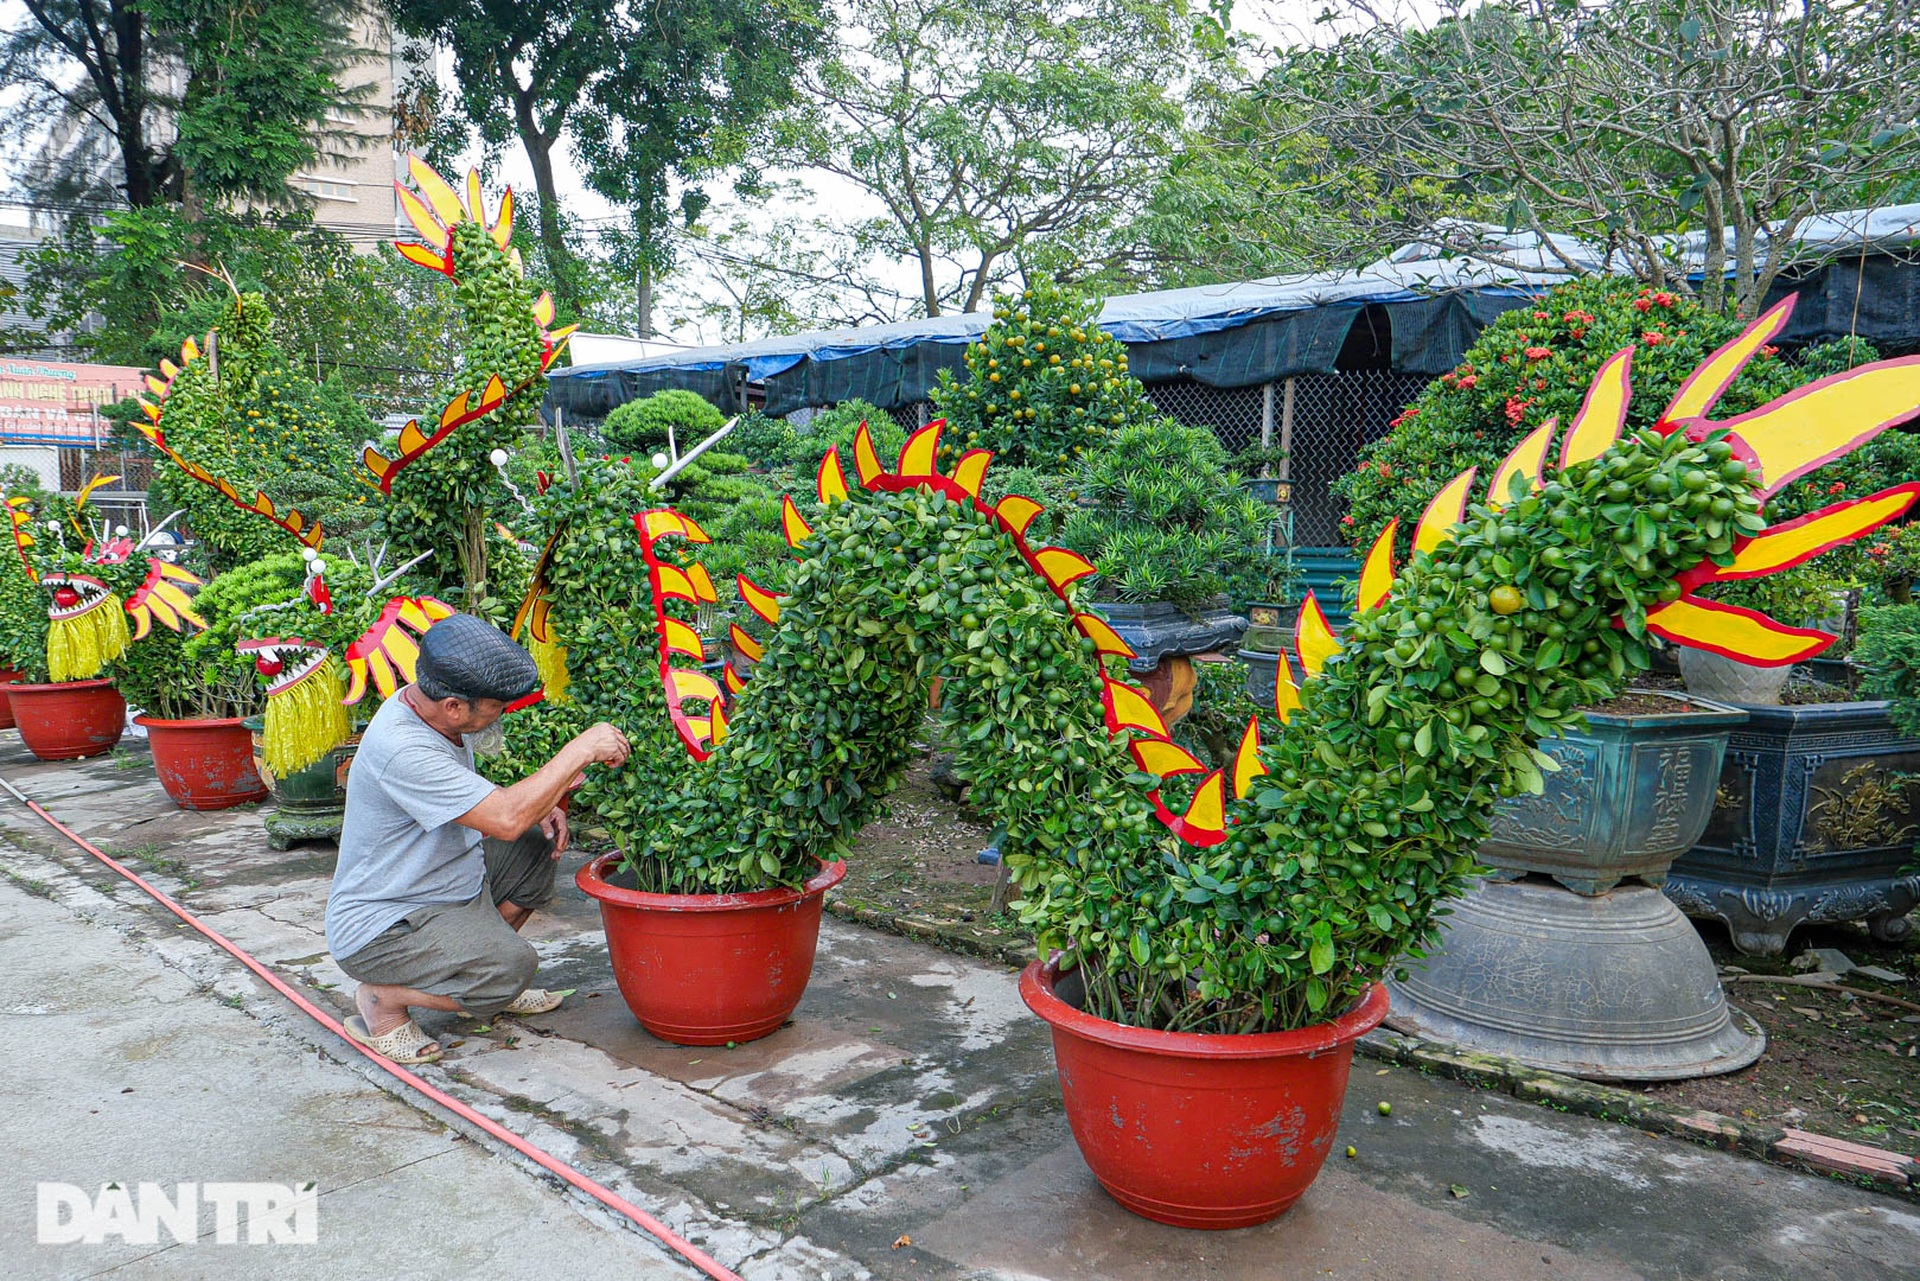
(649, 98)
(997, 135)
(156, 101)
(1629, 123)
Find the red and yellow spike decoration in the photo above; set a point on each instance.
(435, 209)
(1779, 442)
(20, 518)
(386, 652)
(166, 596)
(1808, 427)
(533, 627)
(153, 430)
(700, 730)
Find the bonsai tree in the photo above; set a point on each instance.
(159, 677)
(1162, 517)
(642, 426)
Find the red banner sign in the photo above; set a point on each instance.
(46, 402)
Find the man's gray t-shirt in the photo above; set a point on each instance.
(399, 847)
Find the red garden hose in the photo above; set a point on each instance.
(552, 1164)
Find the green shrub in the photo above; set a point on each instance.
(640, 426)
(763, 440)
(1163, 519)
(837, 427)
(1888, 651)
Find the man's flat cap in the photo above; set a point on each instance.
(473, 659)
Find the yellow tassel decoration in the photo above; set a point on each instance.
(551, 658)
(80, 648)
(306, 722)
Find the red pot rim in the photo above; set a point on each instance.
(212, 722)
(29, 687)
(1036, 989)
(591, 878)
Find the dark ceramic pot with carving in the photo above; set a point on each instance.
(1633, 794)
(1814, 822)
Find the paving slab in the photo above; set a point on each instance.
(120, 1068)
(907, 1123)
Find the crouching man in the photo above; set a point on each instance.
(438, 867)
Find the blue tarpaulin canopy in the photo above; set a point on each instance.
(1435, 300)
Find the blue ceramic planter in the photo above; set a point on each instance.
(1632, 795)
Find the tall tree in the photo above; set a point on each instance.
(156, 101)
(649, 95)
(1630, 123)
(990, 131)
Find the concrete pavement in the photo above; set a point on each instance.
(907, 1124)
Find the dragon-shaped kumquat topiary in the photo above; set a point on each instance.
(1265, 895)
(319, 657)
(1278, 889)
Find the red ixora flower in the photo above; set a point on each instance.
(1653, 338)
(1643, 304)
(1769, 350)
(1879, 550)
(1539, 315)
(1346, 520)
(1385, 470)
(1538, 353)
(1469, 382)
(1665, 299)
(1837, 487)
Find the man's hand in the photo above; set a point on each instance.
(604, 744)
(555, 826)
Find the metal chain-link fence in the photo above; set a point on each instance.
(1320, 420)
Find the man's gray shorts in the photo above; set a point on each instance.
(467, 950)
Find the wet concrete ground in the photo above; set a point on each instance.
(908, 1124)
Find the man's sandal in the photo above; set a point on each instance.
(536, 1000)
(405, 1044)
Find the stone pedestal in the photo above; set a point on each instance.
(1610, 987)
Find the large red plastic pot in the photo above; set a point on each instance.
(7, 676)
(1201, 1131)
(706, 969)
(67, 721)
(204, 765)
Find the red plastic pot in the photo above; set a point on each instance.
(1201, 1131)
(204, 765)
(67, 721)
(7, 676)
(706, 969)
